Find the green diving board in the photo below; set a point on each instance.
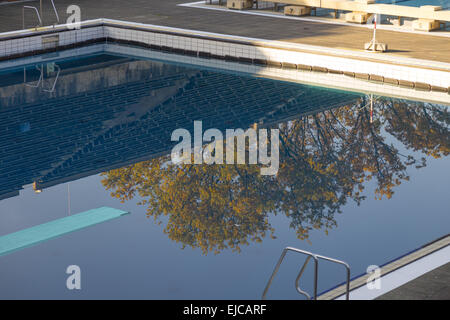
(31, 236)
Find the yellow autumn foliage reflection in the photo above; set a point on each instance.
(325, 159)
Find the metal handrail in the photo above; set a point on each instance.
(297, 280)
(56, 80)
(347, 267)
(37, 13)
(56, 12)
(40, 82)
(41, 77)
(316, 258)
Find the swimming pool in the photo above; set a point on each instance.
(354, 187)
(416, 3)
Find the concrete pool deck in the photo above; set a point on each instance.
(420, 274)
(415, 60)
(168, 13)
(434, 285)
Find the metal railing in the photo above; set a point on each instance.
(316, 258)
(37, 13)
(41, 76)
(56, 12)
(52, 89)
(40, 82)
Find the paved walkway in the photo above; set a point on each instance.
(167, 13)
(434, 285)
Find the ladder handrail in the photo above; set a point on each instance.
(40, 82)
(347, 267)
(316, 258)
(297, 280)
(37, 13)
(56, 80)
(41, 76)
(56, 12)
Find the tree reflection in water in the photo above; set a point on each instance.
(325, 160)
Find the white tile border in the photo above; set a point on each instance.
(413, 70)
(396, 272)
(216, 47)
(402, 275)
(78, 52)
(328, 80)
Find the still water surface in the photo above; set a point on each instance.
(360, 190)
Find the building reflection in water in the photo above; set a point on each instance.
(325, 160)
(116, 115)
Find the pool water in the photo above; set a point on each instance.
(350, 186)
(417, 3)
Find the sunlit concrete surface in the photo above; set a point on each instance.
(167, 13)
(324, 16)
(434, 285)
(408, 271)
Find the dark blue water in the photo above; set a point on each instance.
(354, 189)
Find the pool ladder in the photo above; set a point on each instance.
(316, 258)
(41, 79)
(38, 14)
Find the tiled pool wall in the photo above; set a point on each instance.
(329, 80)
(409, 73)
(22, 44)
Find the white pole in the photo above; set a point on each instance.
(371, 108)
(374, 33)
(68, 196)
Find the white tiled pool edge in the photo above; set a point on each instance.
(402, 276)
(328, 80)
(335, 81)
(361, 63)
(397, 272)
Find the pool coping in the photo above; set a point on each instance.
(388, 268)
(312, 78)
(373, 67)
(308, 77)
